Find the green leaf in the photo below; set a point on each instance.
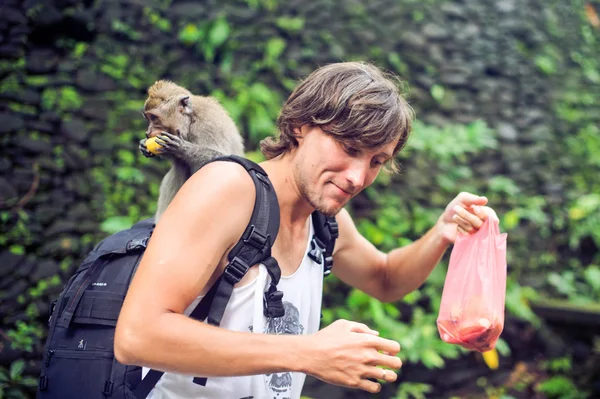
(275, 47)
(190, 34)
(16, 369)
(431, 359)
(592, 277)
(115, 223)
(290, 24)
(437, 92)
(219, 32)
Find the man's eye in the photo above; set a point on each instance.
(351, 150)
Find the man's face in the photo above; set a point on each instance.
(329, 173)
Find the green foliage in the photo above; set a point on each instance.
(126, 30)
(560, 387)
(13, 384)
(157, 20)
(207, 37)
(65, 99)
(413, 390)
(25, 336)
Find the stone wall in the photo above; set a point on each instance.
(73, 77)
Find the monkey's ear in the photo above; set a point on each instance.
(186, 105)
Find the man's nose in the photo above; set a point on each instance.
(356, 174)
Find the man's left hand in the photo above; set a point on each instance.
(464, 215)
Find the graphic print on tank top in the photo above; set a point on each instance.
(280, 384)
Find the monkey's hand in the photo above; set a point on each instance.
(144, 149)
(170, 144)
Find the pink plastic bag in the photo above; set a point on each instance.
(472, 309)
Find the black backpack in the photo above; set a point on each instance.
(79, 361)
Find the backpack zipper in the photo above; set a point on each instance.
(76, 354)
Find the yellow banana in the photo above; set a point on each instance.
(491, 359)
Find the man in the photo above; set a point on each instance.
(337, 130)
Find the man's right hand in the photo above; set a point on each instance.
(347, 353)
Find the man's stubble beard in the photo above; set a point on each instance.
(311, 196)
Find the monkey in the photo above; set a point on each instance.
(191, 130)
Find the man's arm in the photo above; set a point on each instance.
(204, 221)
(389, 277)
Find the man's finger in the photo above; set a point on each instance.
(386, 345)
(472, 199)
(369, 386)
(467, 217)
(392, 362)
(362, 328)
(382, 374)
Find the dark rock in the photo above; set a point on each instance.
(25, 95)
(14, 290)
(75, 158)
(506, 6)
(7, 282)
(25, 268)
(99, 144)
(46, 213)
(96, 108)
(190, 10)
(507, 132)
(453, 10)
(75, 129)
(13, 318)
(11, 51)
(455, 74)
(41, 126)
(35, 146)
(60, 247)
(78, 183)
(48, 15)
(434, 32)
(8, 194)
(10, 122)
(22, 179)
(41, 61)
(4, 165)
(45, 268)
(9, 263)
(87, 226)
(94, 81)
(61, 226)
(13, 15)
(50, 116)
(80, 211)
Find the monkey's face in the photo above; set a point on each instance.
(172, 115)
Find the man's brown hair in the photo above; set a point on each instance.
(355, 102)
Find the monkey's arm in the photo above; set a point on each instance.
(193, 155)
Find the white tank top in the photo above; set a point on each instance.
(244, 312)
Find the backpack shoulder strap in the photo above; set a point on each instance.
(254, 247)
(323, 242)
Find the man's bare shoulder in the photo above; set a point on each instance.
(219, 182)
(220, 195)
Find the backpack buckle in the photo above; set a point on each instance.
(327, 265)
(332, 225)
(235, 270)
(316, 249)
(138, 243)
(273, 303)
(256, 239)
